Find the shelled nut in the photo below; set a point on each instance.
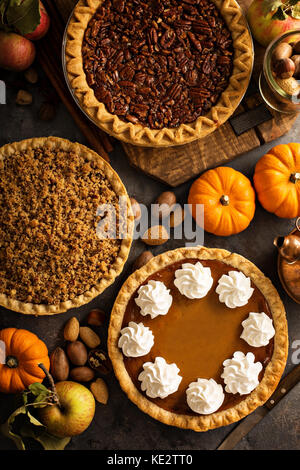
(99, 360)
(23, 98)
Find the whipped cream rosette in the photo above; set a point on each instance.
(193, 280)
(205, 396)
(241, 373)
(159, 379)
(136, 340)
(234, 289)
(154, 299)
(257, 329)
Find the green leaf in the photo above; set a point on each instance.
(29, 426)
(268, 6)
(3, 6)
(24, 16)
(296, 12)
(38, 388)
(6, 428)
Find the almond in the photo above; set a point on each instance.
(71, 330)
(100, 391)
(156, 235)
(89, 337)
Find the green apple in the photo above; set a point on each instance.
(75, 413)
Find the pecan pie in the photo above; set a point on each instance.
(53, 255)
(159, 72)
(198, 338)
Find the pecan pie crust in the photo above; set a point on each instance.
(146, 131)
(273, 370)
(51, 256)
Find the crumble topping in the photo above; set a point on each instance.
(49, 249)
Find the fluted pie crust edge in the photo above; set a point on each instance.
(273, 370)
(63, 144)
(144, 136)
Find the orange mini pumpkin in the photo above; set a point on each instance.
(277, 180)
(228, 198)
(23, 352)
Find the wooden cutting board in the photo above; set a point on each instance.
(176, 165)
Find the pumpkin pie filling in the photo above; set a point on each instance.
(197, 335)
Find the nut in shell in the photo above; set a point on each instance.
(71, 329)
(89, 337)
(77, 353)
(59, 365)
(99, 361)
(96, 317)
(142, 260)
(100, 391)
(156, 235)
(82, 374)
(164, 205)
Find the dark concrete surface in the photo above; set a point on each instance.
(120, 424)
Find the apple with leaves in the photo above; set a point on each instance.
(270, 18)
(42, 27)
(73, 411)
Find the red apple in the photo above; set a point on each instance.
(42, 28)
(75, 413)
(16, 52)
(264, 28)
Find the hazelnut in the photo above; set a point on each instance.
(296, 47)
(163, 204)
(296, 60)
(136, 209)
(96, 317)
(282, 51)
(142, 260)
(284, 68)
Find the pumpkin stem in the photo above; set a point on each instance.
(224, 200)
(52, 384)
(12, 362)
(295, 177)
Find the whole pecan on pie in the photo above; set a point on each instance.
(157, 63)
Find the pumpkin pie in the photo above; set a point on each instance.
(55, 252)
(158, 73)
(198, 338)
